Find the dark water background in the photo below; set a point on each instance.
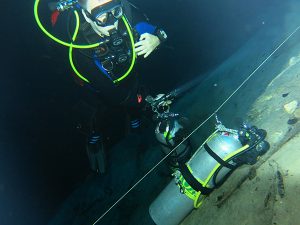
(41, 155)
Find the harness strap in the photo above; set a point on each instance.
(192, 181)
(217, 158)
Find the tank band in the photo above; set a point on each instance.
(217, 158)
(192, 181)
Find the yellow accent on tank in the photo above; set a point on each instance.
(189, 191)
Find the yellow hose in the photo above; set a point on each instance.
(36, 15)
(71, 50)
(133, 52)
(71, 45)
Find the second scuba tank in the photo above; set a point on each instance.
(222, 152)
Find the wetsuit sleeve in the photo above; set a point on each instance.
(141, 22)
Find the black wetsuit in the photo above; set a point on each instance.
(112, 98)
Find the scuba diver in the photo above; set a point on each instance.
(115, 33)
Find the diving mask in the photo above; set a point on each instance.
(106, 14)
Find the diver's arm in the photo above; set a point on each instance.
(149, 36)
(146, 44)
(161, 35)
(149, 39)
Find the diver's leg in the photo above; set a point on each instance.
(135, 119)
(96, 153)
(95, 141)
(136, 109)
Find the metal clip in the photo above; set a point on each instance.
(176, 176)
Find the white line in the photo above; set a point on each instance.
(233, 93)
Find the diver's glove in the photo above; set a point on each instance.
(147, 44)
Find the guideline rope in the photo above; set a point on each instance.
(208, 118)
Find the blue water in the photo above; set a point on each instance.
(42, 156)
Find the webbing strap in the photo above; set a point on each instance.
(217, 158)
(192, 181)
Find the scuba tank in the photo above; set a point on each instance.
(222, 152)
(169, 133)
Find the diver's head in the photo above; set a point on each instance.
(103, 15)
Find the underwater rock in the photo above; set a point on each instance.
(297, 113)
(280, 184)
(293, 61)
(292, 121)
(291, 107)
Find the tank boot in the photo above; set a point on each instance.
(96, 154)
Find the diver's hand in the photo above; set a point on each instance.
(146, 44)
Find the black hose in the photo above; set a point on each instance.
(187, 86)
